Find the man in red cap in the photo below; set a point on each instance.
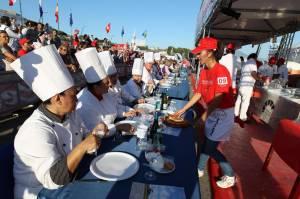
(229, 60)
(25, 47)
(215, 91)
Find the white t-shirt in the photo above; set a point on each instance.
(266, 70)
(246, 77)
(230, 62)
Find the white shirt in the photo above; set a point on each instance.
(231, 63)
(39, 144)
(283, 72)
(246, 77)
(93, 111)
(266, 70)
(133, 89)
(121, 94)
(147, 77)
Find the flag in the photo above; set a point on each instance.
(144, 34)
(56, 12)
(71, 20)
(41, 8)
(123, 31)
(11, 2)
(107, 28)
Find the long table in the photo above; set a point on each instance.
(270, 105)
(181, 148)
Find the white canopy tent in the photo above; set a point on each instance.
(259, 20)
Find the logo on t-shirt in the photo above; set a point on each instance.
(222, 80)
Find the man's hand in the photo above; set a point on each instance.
(91, 143)
(100, 130)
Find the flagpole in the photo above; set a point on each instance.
(20, 3)
(58, 16)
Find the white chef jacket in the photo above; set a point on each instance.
(133, 89)
(146, 77)
(93, 111)
(232, 65)
(266, 70)
(121, 94)
(39, 144)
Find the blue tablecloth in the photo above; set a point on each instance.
(181, 91)
(182, 148)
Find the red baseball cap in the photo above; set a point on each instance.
(272, 60)
(23, 41)
(207, 43)
(230, 46)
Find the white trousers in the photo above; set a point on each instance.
(243, 101)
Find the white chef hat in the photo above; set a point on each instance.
(137, 68)
(108, 62)
(44, 72)
(148, 57)
(157, 56)
(91, 65)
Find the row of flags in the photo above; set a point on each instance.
(56, 14)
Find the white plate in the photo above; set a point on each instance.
(114, 166)
(147, 108)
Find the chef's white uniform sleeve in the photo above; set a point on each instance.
(43, 152)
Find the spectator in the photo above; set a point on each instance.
(66, 57)
(25, 47)
(41, 40)
(31, 33)
(55, 39)
(6, 54)
(40, 27)
(5, 25)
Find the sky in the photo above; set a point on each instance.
(168, 22)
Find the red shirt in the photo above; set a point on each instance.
(22, 52)
(213, 81)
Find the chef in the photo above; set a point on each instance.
(115, 89)
(95, 104)
(134, 86)
(149, 81)
(229, 60)
(53, 140)
(156, 72)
